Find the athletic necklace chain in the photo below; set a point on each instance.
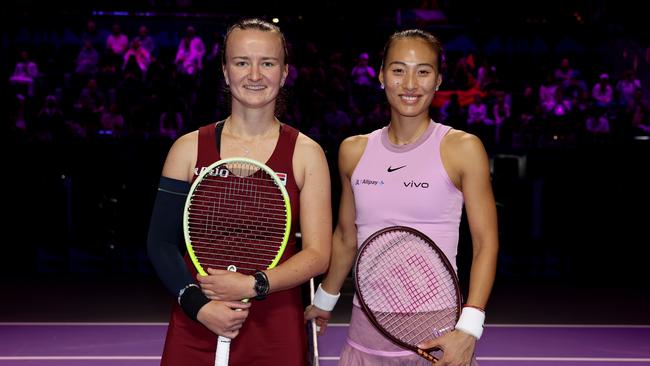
(413, 138)
(247, 150)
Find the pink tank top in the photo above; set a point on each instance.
(408, 186)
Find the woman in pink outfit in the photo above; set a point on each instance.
(424, 173)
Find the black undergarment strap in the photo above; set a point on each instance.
(219, 130)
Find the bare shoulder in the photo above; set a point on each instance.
(306, 146)
(182, 157)
(309, 161)
(350, 152)
(462, 152)
(462, 145)
(354, 144)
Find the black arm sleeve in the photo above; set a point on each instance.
(166, 238)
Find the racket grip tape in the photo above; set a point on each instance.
(427, 356)
(223, 351)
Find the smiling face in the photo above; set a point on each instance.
(254, 67)
(410, 77)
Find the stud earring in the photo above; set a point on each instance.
(381, 86)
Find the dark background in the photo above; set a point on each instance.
(573, 218)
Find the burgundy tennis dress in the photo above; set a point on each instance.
(274, 333)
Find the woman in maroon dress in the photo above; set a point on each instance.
(269, 331)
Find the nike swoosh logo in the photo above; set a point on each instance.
(390, 170)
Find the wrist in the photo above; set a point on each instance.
(471, 321)
(250, 294)
(191, 299)
(324, 300)
(261, 285)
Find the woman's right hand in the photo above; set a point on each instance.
(224, 318)
(321, 316)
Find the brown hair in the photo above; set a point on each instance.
(254, 24)
(427, 37)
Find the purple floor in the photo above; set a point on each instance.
(140, 344)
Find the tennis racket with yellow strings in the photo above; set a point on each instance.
(237, 217)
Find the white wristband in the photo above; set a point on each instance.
(471, 322)
(325, 301)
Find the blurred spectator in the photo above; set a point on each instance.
(487, 77)
(560, 107)
(626, 87)
(363, 84)
(638, 111)
(478, 122)
(452, 113)
(49, 123)
(91, 98)
(547, 92)
(87, 61)
(575, 87)
(116, 45)
(90, 107)
(25, 74)
(463, 76)
(602, 92)
(189, 57)
(146, 41)
(362, 74)
(132, 69)
(501, 110)
(95, 37)
(477, 113)
(117, 42)
(525, 105)
(112, 122)
(597, 124)
(564, 73)
(19, 119)
(141, 56)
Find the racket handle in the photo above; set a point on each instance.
(223, 351)
(314, 329)
(427, 356)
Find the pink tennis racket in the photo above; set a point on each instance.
(407, 287)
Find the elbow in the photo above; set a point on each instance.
(490, 249)
(322, 264)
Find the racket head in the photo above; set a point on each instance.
(406, 286)
(237, 217)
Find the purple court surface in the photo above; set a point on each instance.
(140, 344)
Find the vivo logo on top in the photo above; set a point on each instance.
(414, 184)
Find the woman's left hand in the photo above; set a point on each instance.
(226, 285)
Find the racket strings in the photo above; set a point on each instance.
(407, 287)
(260, 227)
(270, 202)
(261, 244)
(237, 216)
